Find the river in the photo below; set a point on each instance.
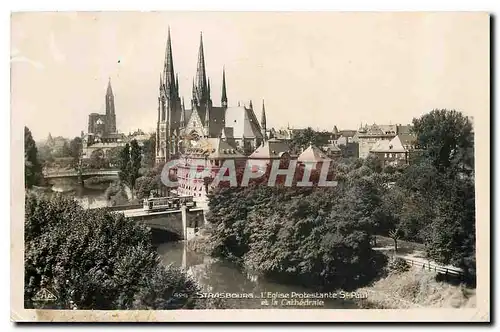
(219, 276)
(90, 196)
(214, 275)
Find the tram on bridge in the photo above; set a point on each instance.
(167, 203)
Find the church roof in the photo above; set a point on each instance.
(217, 120)
(270, 150)
(312, 154)
(243, 121)
(214, 148)
(348, 133)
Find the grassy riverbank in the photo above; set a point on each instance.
(416, 289)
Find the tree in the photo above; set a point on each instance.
(32, 168)
(149, 151)
(125, 163)
(360, 206)
(97, 159)
(135, 162)
(374, 163)
(145, 185)
(94, 259)
(45, 154)
(447, 138)
(289, 234)
(302, 139)
(75, 148)
(130, 163)
(66, 150)
(113, 156)
(395, 235)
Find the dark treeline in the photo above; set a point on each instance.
(93, 259)
(323, 236)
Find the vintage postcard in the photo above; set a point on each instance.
(250, 166)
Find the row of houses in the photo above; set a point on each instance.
(211, 153)
(393, 144)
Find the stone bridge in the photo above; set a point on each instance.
(72, 173)
(183, 222)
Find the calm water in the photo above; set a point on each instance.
(213, 275)
(90, 196)
(216, 276)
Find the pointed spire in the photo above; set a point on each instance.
(109, 90)
(183, 115)
(194, 93)
(201, 75)
(250, 105)
(168, 70)
(177, 84)
(223, 98)
(207, 119)
(263, 122)
(263, 118)
(110, 103)
(161, 83)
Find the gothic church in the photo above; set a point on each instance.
(179, 127)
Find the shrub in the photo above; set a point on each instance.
(398, 265)
(94, 259)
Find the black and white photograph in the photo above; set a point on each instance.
(225, 166)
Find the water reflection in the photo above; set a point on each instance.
(217, 276)
(88, 196)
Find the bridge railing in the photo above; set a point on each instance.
(73, 172)
(428, 266)
(124, 207)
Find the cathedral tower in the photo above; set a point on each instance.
(168, 108)
(110, 126)
(201, 89)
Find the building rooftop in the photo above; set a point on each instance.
(271, 149)
(400, 143)
(312, 154)
(213, 148)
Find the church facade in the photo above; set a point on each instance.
(180, 127)
(104, 124)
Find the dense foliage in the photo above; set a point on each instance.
(97, 159)
(32, 168)
(302, 139)
(130, 163)
(92, 259)
(323, 236)
(296, 235)
(149, 152)
(66, 150)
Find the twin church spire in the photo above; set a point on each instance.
(175, 123)
(201, 83)
(170, 82)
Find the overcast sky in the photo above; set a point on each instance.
(312, 69)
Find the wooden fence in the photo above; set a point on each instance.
(448, 271)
